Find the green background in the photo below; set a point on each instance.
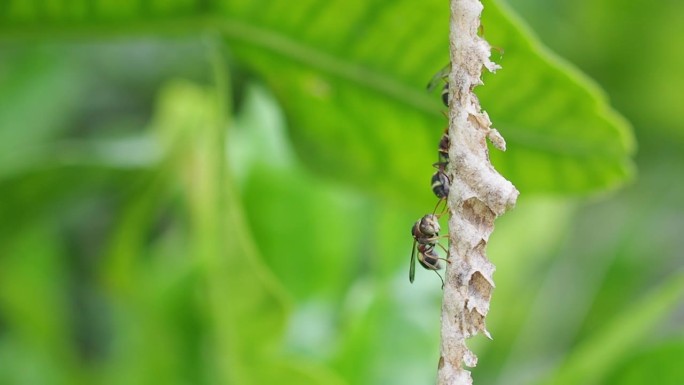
(221, 192)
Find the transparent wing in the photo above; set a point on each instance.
(438, 77)
(412, 265)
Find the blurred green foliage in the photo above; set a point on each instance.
(221, 192)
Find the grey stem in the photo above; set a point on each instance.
(478, 194)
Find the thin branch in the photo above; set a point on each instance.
(477, 196)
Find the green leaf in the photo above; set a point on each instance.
(351, 77)
(359, 110)
(562, 135)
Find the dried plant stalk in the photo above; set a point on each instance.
(477, 196)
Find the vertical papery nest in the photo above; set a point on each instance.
(477, 196)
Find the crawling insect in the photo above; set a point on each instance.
(440, 186)
(440, 181)
(425, 234)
